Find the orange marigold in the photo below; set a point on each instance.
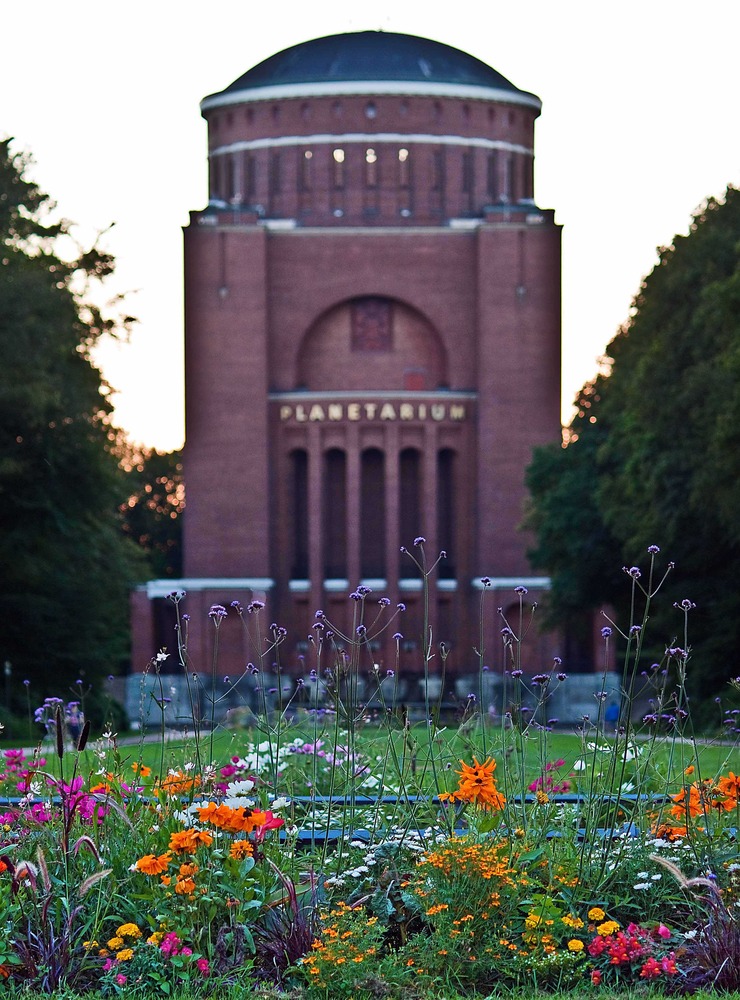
(179, 783)
(241, 849)
(188, 841)
(152, 864)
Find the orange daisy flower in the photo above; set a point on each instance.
(478, 785)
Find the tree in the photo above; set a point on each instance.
(67, 568)
(653, 456)
(151, 515)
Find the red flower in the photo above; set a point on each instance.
(650, 969)
(596, 977)
(668, 964)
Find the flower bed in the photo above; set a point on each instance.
(311, 859)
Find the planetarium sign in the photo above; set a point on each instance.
(372, 411)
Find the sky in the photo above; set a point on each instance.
(638, 127)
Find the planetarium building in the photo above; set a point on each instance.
(372, 351)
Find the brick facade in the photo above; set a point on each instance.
(372, 352)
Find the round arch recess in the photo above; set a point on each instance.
(371, 343)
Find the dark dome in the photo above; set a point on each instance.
(371, 56)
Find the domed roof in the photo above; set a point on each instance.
(371, 57)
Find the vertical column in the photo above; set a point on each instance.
(392, 505)
(315, 516)
(429, 490)
(429, 511)
(353, 503)
(393, 541)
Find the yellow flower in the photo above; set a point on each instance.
(128, 930)
(156, 938)
(596, 913)
(575, 945)
(570, 921)
(116, 942)
(607, 928)
(125, 956)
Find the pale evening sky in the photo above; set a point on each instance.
(638, 126)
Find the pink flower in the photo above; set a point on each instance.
(203, 967)
(121, 979)
(662, 931)
(169, 944)
(186, 951)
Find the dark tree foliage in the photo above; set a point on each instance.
(653, 454)
(152, 514)
(66, 567)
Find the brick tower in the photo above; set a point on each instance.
(372, 350)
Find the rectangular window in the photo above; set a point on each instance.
(492, 179)
(438, 170)
(468, 178)
(250, 177)
(305, 170)
(275, 174)
(404, 169)
(371, 168)
(338, 172)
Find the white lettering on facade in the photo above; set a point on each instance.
(316, 412)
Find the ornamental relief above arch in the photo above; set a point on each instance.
(371, 343)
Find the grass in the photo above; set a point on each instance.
(668, 759)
